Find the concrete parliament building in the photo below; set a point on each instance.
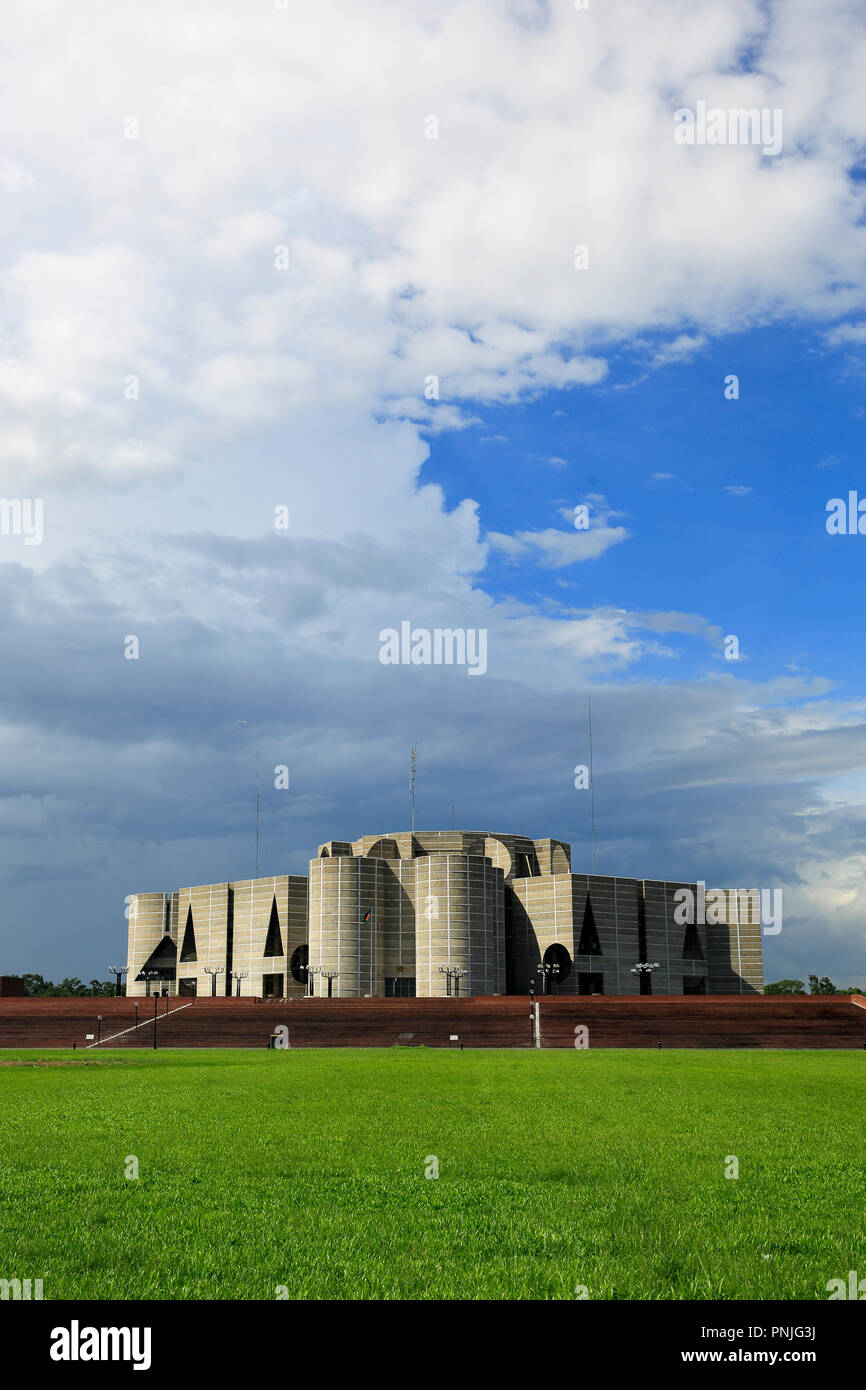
(388, 915)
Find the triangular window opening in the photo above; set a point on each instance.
(187, 950)
(274, 939)
(589, 944)
(162, 959)
(692, 944)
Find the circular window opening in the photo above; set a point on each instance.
(298, 964)
(558, 955)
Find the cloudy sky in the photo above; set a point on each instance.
(429, 277)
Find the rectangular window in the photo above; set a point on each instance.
(400, 987)
(590, 983)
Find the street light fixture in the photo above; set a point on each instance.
(644, 971)
(239, 975)
(455, 973)
(312, 972)
(330, 976)
(118, 973)
(549, 973)
(148, 976)
(218, 970)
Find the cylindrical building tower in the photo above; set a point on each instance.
(459, 922)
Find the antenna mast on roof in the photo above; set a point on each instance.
(257, 824)
(412, 752)
(591, 782)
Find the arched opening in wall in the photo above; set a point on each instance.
(298, 964)
(558, 955)
(384, 848)
(498, 854)
(696, 985)
(324, 852)
(559, 861)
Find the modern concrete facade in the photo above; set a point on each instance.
(430, 913)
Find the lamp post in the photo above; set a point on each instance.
(548, 973)
(98, 1028)
(330, 976)
(155, 1007)
(531, 1012)
(239, 975)
(218, 970)
(118, 974)
(312, 972)
(644, 971)
(148, 976)
(457, 973)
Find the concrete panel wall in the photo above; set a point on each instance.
(460, 921)
(147, 921)
(210, 904)
(253, 904)
(399, 925)
(341, 890)
(615, 908)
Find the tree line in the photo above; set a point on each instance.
(816, 986)
(34, 985)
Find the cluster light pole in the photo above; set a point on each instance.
(549, 974)
(118, 972)
(218, 970)
(455, 973)
(644, 971)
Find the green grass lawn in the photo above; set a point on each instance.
(306, 1169)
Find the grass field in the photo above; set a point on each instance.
(306, 1170)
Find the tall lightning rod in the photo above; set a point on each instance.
(591, 783)
(257, 823)
(412, 753)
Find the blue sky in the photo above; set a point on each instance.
(231, 257)
(664, 448)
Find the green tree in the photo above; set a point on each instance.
(35, 985)
(785, 987)
(822, 986)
